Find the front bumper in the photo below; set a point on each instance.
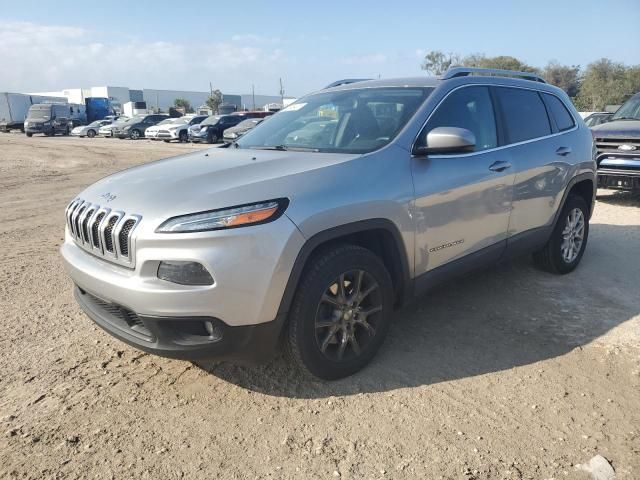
(250, 267)
(620, 171)
(78, 134)
(169, 135)
(180, 337)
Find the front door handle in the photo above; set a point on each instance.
(563, 151)
(499, 166)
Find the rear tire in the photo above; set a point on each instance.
(333, 332)
(567, 243)
(29, 135)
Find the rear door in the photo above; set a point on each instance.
(462, 200)
(539, 153)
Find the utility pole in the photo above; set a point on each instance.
(281, 93)
(253, 96)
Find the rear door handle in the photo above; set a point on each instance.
(563, 151)
(499, 166)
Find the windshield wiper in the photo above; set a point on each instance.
(284, 148)
(281, 148)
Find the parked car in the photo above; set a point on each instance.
(211, 129)
(618, 146)
(136, 126)
(233, 133)
(174, 128)
(48, 119)
(107, 130)
(314, 241)
(254, 114)
(90, 130)
(597, 118)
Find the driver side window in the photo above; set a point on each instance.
(470, 108)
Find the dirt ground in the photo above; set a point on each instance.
(510, 373)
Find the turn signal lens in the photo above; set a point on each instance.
(226, 218)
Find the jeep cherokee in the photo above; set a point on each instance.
(315, 225)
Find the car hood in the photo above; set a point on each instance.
(618, 128)
(206, 180)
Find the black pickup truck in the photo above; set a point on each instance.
(618, 147)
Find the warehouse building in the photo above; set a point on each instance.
(161, 99)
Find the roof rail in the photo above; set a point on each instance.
(493, 72)
(345, 81)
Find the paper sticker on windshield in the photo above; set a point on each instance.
(293, 107)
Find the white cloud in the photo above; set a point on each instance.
(253, 38)
(42, 57)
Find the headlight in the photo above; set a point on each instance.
(127, 127)
(203, 128)
(232, 135)
(240, 216)
(173, 128)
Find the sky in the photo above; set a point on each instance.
(236, 44)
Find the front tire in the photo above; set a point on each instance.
(341, 312)
(29, 134)
(91, 133)
(212, 138)
(567, 243)
(134, 134)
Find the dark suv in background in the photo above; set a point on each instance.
(49, 119)
(618, 146)
(211, 129)
(135, 127)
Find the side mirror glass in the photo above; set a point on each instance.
(447, 140)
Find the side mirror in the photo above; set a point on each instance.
(447, 140)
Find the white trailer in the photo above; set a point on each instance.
(14, 108)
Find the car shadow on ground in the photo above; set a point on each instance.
(489, 321)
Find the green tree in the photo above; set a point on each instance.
(563, 76)
(502, 62)
(605, 82)
(436, 62)
(183, 103)
(214, 100)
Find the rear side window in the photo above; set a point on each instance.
(524, 114)
(470, 108)
(564, 120)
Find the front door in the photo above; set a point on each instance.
(462, 200)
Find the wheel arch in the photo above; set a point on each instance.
(583, 185)
(379, 235)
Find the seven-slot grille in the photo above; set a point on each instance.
(103, 232)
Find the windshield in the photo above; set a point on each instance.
(168, 121)
(630, 110)
(97, 123)
(39, 112)
(358, 120)
(212, 120)
(137, 119)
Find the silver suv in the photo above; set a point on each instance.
(313, 227)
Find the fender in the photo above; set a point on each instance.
(577, 179)
(341, 231)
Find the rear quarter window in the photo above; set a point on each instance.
(524, 114)
(564, 120)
